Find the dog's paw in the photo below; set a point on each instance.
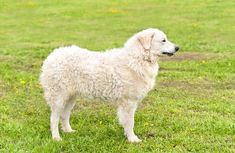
(134, 139)
(69, 131)
(57, 138)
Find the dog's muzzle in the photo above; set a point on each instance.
(170, 54)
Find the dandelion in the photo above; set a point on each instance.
(23, 82)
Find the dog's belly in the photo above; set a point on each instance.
(103, 83)
(100, 90)
(113, 92)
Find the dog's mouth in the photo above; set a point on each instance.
(168, 54)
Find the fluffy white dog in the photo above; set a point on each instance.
(122, 76)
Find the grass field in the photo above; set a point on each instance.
(192, 108)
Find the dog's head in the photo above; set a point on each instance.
(156, 42)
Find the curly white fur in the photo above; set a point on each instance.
(122, 76)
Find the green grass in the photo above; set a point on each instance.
(192, 108)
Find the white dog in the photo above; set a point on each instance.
(122, 76)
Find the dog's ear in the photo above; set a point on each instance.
(145, 40)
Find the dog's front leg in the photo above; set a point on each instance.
(126, 112)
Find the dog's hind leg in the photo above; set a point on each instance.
(126, 113)
(65, 115)
(56, 109)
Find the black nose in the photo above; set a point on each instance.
(177, 48)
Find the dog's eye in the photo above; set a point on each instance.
(164, 40)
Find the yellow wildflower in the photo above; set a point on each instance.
(22, 82)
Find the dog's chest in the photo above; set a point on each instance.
(150, 77)
(145, 83)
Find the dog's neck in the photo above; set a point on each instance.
(144, 67)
